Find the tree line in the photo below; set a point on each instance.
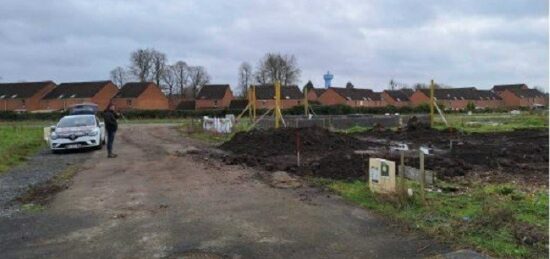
(271, 67)
(150, 65)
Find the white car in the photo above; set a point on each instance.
(77, 131)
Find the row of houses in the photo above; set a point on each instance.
(48, 96)
(500, 96)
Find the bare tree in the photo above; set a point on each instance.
(392, 85)
(158, 65)
(141, 64)
(119, 76)
(245, 78)
(181, 73)
(198, 76)
(169, 79)
(273, 67)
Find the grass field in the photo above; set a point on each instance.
(493, 122)
(500, 220)
(18, 142)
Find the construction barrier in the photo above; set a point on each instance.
(218, 125)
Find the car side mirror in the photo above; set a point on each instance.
(52, 128)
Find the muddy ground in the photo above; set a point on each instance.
(155, 201)
(518, 156)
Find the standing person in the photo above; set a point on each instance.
(111, 126)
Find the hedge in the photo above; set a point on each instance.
(297, 110)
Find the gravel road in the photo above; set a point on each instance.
(153, 202)
(36, 171)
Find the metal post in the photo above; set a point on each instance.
(422, 176)
(432, 103)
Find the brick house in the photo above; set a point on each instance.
(186, 105)
(500, 88)
(67, 94)
(213, 97)
(458, 98)
(238, 104)
(523, 98)
(397, 98)
(354, 97)
(140, 96)
(312, 92)
(290, 96)
(23, 96)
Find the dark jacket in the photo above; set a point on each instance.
(110, 120)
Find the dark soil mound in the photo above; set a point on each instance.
(503, 157)
(323, 153)
(284, 141)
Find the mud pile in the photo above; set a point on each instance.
(520, 154)
(323, 153)
(503, 157)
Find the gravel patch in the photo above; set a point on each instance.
(36, 171)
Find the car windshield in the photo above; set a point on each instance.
(76, 121)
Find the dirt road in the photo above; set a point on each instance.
(150, 203)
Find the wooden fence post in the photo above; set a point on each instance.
(422, 177)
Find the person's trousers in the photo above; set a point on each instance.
(110, 140)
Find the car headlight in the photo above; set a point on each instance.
(53, 136)
(93, 132)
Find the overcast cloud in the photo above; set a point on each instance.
(368, 42)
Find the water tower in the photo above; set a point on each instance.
(328, 79)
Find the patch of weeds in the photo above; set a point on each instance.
(500, 220)
(355, 129)
(17, 143)
(32, 208)
(42, 194)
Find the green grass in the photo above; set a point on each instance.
(32, 208)
(17, 143)
(486, 217)
(493, 122)
(355, 129)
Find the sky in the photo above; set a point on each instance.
(368, 42)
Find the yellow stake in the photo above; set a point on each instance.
(249, 97)
(254, 103)
(277, 103)
(432, 103)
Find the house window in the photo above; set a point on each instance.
(216, 103)
(23, 101)
(129, 102)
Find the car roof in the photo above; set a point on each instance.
(79, 115)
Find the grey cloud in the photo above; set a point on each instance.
(458, 42)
